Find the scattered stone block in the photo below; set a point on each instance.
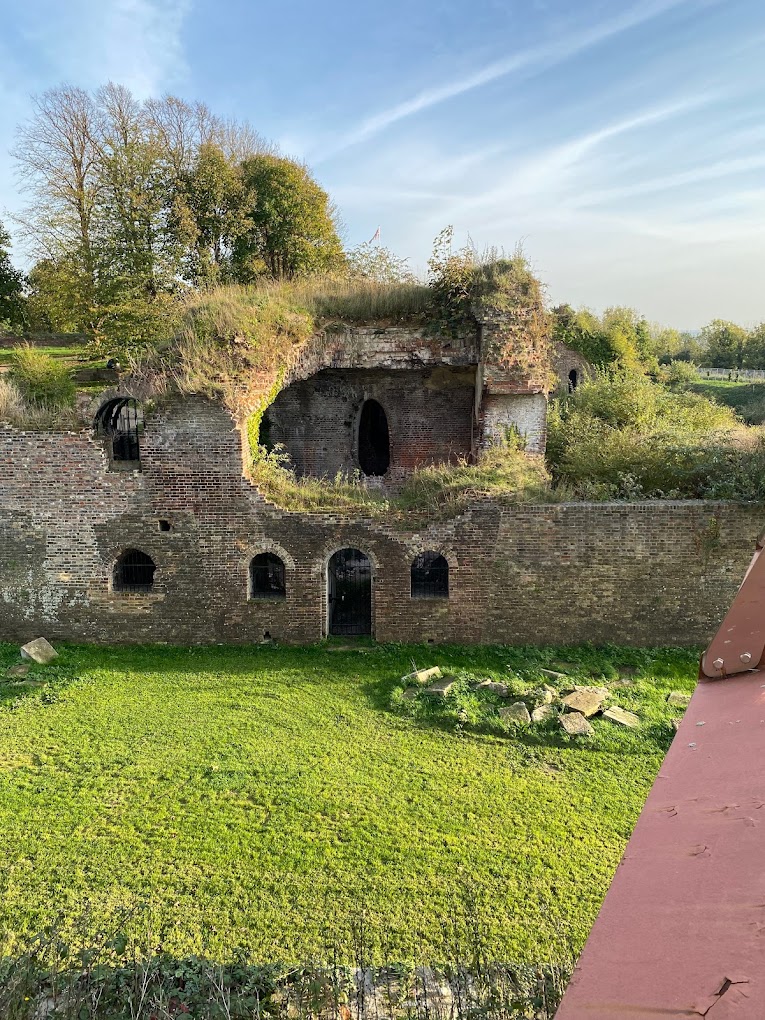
(441, 687)
(421, 676)
(543, 713)
(621, 717)
(566, 667)
(494, 687)
(545, 695)
(587, 700)
(20, 669)
(39, 651)
(517, 712)
(575, 724)
(410, 693)
(679, 699)
(675, 724)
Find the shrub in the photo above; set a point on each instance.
(622, 436)
(42, 379)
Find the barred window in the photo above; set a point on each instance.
(430, 576)
(134, 571)
(120, 421)
(267, 577)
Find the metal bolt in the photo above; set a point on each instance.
(746, 656)
(718, 664)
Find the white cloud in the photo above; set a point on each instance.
(534, 58)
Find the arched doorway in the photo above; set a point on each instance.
(349, 591)
(374, 439)
(573, 380)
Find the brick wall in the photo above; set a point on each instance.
(429, 416)
(647, 573)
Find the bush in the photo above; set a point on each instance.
(679, 374)
(41, 379)
(622, 436)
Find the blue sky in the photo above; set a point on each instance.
(621, 142)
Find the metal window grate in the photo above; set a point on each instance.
(430, 576)
(267, 577)
(349, 577)
(134, 571)
(121, 421)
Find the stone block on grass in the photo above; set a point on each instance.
(621, 717)
(39, 650)
(587, 700)
(517, 713)
(575, 724)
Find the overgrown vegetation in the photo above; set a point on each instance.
(623, 436)
(504, 472)
(277, 798)
(38, 391)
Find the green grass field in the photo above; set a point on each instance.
(270, 798)
(746, 398)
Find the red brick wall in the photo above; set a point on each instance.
(644, 573)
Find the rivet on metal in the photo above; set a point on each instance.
(718, 664)
(746, 656)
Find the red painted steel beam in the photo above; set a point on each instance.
(681, 932)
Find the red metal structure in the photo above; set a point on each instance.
(681, 932)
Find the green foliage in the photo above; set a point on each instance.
(270, 798)
(622, 436)
(746, 398)
(450, 277)
(371, 261)
(620, 337)
(11, 288)
(42, 379)
(723, 343)
(289, 227)
(504, 473)
(679, 374)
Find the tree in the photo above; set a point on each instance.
(724, 344)
(58, 163)
(11, 288)
(291, 226)
(374, 262)
(754, 349)
(213, 200)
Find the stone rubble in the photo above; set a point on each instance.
(679, 699)
(621, 717)
(40, 651)
(575, 724)
(517, 712)
(587, 700)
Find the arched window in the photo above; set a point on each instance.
(267, 577)
(573, 380)
(120, 422)
(430, 576)
(374, 439)
(133, 571)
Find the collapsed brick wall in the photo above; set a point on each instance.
(644, 573)
(429, 416)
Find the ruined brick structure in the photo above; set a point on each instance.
(647, 573)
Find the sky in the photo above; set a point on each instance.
(621, 143)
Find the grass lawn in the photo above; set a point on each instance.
(746, 398)
(272, 798)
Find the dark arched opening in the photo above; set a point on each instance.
(430, 576)
(133, 571)
(573, 380)
(349, 590)
(267, 578)
(120, 422)
(374, 439)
